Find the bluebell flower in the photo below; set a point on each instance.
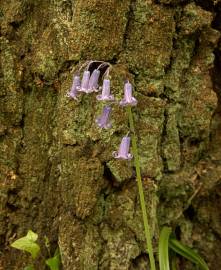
(76, 83)
(123, 152)
(128, 99)
(103, 120)
(93, 81)
(84, 82)
(105, 95)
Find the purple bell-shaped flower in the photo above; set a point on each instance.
(128, 99)
(105, 95)
(84, 82)
(103, 120)
(123, 152)
(93, 81)
(76, 83)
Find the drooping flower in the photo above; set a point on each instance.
(84, 82)
(103, 120)
(76, 83)
(93, 81)
(128, 99)
(105, 95)
(123, 152)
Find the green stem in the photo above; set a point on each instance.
(141, 192)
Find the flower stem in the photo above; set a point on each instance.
(141, 192)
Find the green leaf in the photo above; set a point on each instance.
(164, 248)
(54, 262)
(32, 236)
(27, 243)
(187, 253)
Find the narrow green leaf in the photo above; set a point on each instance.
(54, 262)
(164, 248)
(188, 253)
(173, 264)
(27, 243)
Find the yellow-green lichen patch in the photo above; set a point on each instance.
(58, 164)
(94, 34)
(9, 177)
(188, 82)
(80, 245)
(45, 63)
(11, 11)
(11, 93)
(120, 206)
(171, 143)
(174, 192)
(181, 61)
(92, 246)
(81, 181)
(37, 137)
(194, 18)
(149, 128)
(199, 101)
(51, 50)
(122, 211)
(8, 149)
(149, 39)
(147, 86)
(120, 249)
(121, 170)
(11, 110)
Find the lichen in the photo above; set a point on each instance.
(58, 176)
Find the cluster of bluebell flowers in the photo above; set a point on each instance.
(89, 83)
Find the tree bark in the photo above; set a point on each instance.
(57, 173)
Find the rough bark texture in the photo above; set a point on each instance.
(57, 174)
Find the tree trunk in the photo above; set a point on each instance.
(57, 174)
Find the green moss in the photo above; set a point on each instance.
(52, 153)
(149, 41)
(180, 62)
(147, 86)
(121, 170)
(81, 181)
(121, 247)
(12, 99)
(171, 145)
(149, 129)
(46, 65)
(194, 18)
(92, 246)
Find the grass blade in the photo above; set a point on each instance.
(164, 248)
(187, 253)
